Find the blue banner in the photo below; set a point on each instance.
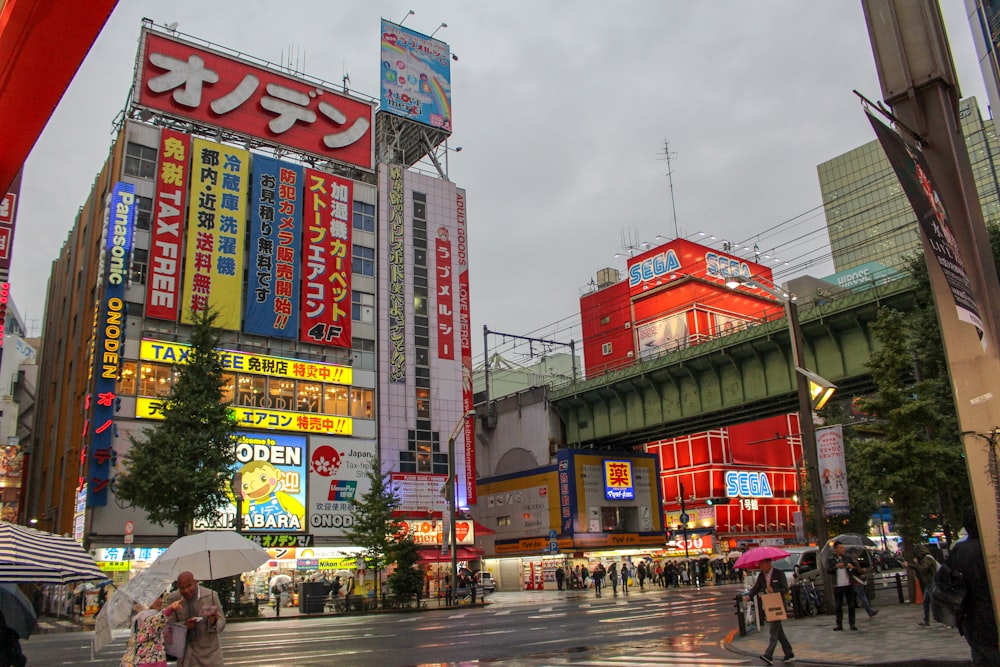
(272, 300)
(109, 342)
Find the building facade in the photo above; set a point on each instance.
(868, 217)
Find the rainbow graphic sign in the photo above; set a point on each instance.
(416, 76)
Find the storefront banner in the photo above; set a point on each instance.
(272, 307)
(8, 218)
(326, 260)
(163, 284)
(271, 482)
(396, 271)
(696, 544)
(338, 475)
(419, 492)
(109, 339)
(465, 332)
(261, 418)
(432, 532)
(213, 264)
(444, 295)
(244, 362)
(833, 470)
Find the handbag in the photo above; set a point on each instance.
(947, 595)
(773, 605)
(175, 639)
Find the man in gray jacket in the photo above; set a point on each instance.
(201, 613)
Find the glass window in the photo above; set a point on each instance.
(363, 354)
(363, 260)
(154, 379)
(364, 216)
(250, 391)
(140, 161)
(228, 387)
(140, 260)
(127, 380)
(282, 393)
(423, 404)
(309, 396)
(363, 306)
(335, 400)
(361, 403)
(143, 212)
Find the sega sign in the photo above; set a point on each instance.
(720, 266)
(653, 267)
(747, 484)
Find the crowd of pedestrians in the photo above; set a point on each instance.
(625, 574)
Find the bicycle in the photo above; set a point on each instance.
(811, 599)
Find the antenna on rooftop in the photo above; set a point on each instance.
(668, 156)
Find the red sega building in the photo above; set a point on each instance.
(672, 297)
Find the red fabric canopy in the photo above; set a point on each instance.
(434, 555)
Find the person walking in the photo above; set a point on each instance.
(925, 566)
(598, 575)
(625, 575)
(560, 577)
(841, 565)
(145, 643)
(772, 580)
(613, 578)
(640, 573)
(201, 613)
(977, 622)
(858, 584)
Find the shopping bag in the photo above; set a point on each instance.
(774, 606)
(174, 639)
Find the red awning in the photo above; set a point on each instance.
(462, 553)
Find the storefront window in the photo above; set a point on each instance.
(228, 387)
(335, 400)
(154, 379)
(282, 394)
(309, 396)
(250, 391)
(126, 383)
(361, 403)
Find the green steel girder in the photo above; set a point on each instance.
(740, 377)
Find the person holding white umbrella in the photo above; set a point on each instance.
(201, 612)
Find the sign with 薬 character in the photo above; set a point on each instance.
(618, 480)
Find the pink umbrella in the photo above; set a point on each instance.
(752, 557)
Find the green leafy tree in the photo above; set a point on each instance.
(179, 470)
(375, 528)
(407, 580)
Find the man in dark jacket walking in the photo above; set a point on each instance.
(925, 566)
(841, 566)
(772, 580)
(977, 622)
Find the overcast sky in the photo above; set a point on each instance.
(562, 110)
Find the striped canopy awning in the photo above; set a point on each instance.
(33, 556)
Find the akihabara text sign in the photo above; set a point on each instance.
(270, 481)
(338, 470)
(833, 470)
(193, 82)
(416, 76)
(109, 338)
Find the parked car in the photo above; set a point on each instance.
(800, 565)
(486, 582)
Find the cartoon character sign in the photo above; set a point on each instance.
(271, 482)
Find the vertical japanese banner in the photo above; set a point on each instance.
(163, 288)
(833, 470)
(397, 274)
(325, 317)
(444, 297)
(109, 340)
(272, 307)
(8, 216)
(465, 331)
(213, 264)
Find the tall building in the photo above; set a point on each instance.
(339, 273)
(868, 217)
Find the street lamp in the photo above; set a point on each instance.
(452, 492)
(803, 379)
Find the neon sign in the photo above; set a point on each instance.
(747, 484)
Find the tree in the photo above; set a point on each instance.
(179, 470)
(407, 580)
(375, 528)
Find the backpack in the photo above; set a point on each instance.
(948, 595)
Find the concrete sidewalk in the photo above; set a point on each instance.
(890, 638)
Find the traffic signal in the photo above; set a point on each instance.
(4, 297)
(719, 501)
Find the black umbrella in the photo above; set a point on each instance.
(852, 539)
(17, 611)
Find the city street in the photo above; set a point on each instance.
(679, 626)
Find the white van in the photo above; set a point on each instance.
(801, 565)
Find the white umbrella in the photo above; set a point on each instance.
(34, 556)
(141, 589)
(211, 555)
(280, 579)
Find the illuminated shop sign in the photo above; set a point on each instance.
(261, 418)
(431, 532)
(244, 362)
(653, 267)
(720, 266)
(747, 484)
(618, 483)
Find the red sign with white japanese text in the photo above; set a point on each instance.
(325, 317)
(8, 215)
(465, 330)
(163, 289)
(195, 83)
(445, 301)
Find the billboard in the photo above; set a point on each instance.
(833, 470)
(397, 275)
(416, 76)
(338, 474)
(206, 86)
(326, 260)
(419, 492)
(163, 287)
(465, 333)
(109, 340)
(213, 264)
(8, 216)
(272, 307)
(680, 258)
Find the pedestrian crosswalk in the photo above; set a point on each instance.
(650, 659)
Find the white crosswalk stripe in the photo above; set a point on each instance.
(655, 659)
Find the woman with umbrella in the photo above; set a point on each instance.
(770, 580)
(145, 645)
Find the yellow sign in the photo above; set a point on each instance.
(213, 267)
(114, 565)
(259, 418)
(244, 362)
(338, 563)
